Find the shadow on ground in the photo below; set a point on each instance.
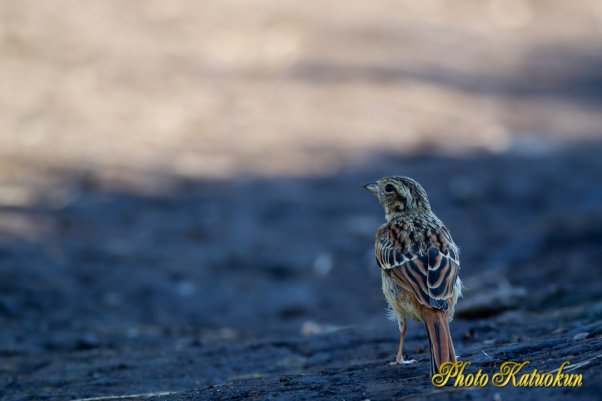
(267, 288)
(542, 74)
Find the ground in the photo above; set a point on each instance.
(268, 288)
(181, 206)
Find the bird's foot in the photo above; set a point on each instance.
(400, 361)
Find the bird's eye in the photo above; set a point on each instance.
(389, 188)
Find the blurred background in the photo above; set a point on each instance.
(180, 174)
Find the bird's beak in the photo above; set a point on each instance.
(372, 186)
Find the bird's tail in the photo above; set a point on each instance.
(440, 341)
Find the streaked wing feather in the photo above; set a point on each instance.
(431, 275)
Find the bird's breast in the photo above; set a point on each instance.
(403, 302)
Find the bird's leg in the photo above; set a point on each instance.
(402, 333)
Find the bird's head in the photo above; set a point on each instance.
(399, 196)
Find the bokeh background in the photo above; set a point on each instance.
(181, 179)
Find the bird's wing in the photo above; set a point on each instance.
(430, 274)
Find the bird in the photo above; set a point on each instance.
(419, 264)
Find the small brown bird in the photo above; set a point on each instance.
(419, 264)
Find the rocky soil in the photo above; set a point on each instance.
(267, 288)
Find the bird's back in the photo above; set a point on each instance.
(418, 253)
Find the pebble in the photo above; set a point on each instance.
(323, 265)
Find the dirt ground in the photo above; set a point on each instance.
(181, 206)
